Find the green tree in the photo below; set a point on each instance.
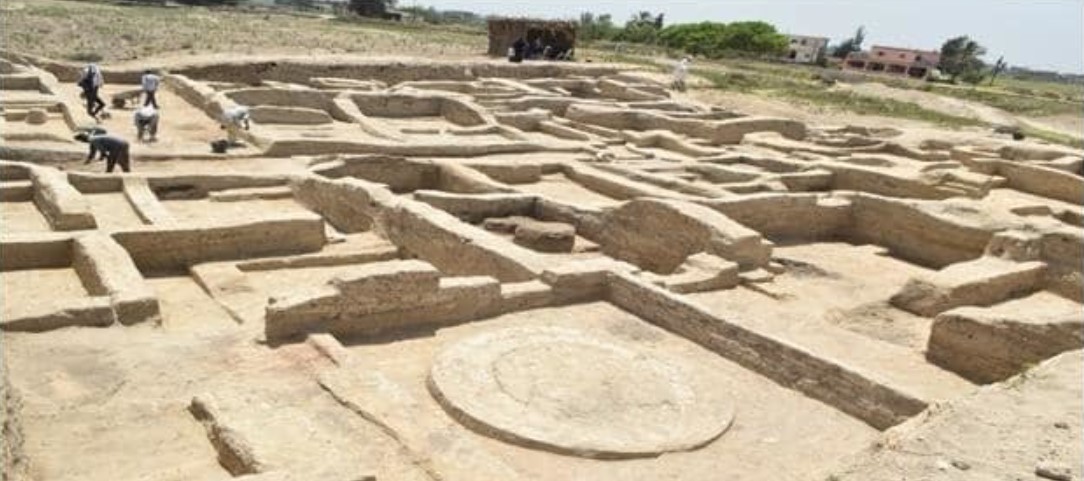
(850, 45)
(371, 8)
(753, 37)
(596, 28)
(712, 39)
(702, 38)
(960, 57)
(641, 28)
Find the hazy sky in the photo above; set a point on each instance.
(1046, 34)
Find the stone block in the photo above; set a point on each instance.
(981, 282)
(37, 117)
(545, 236)
(703, 272)
(583, 280)
(383, 283)
(521, 296)
(992, 344)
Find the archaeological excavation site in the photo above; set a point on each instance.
(479, 270)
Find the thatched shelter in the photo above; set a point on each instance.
(504, 31)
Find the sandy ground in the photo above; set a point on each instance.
(770, 424)
(1008, 431)
(560, 187)
(204, 210)
(836, 284)
(22, 217)
(24, 291)
(88, 395)
(113, 211)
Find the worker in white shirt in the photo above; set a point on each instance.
(150, 88)
(146, 122)
(681, 70)
(233, 120)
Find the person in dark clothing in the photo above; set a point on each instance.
(91, 82)
(113, 148)
(84, 135)
(519, 50)
(536, 49)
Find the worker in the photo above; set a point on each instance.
(91, 82)
(83, 134)
(233, 120)
(114, 148)
(146, 122)
(681, 70)
(518, 50)
(150, 83)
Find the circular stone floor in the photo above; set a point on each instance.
(566, 391)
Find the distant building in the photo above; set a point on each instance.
(895, 61)
(805, 49)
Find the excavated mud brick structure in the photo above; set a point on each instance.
(547, 271)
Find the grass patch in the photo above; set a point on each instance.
(63, 29)
(866, 105)
(804, 89)
(606, 56)
(1054, 90)
(1012, 102)
(751, 81)
(1053, 137)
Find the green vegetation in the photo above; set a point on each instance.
(371, 8)
(1010, 102)
(643, 27)
(594, 28)
(820, 94)
(750, 81)
(850, 45)
(866, 105)
(1053, 137)
(960, 59)
(1073, 92)
(715, 40)
(708, 39)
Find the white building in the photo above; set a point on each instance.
(805, 49)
